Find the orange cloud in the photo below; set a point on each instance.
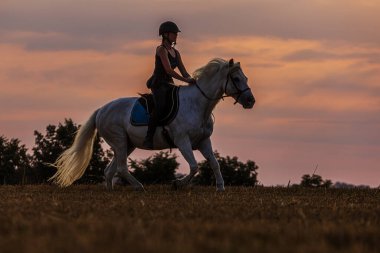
(307, 91)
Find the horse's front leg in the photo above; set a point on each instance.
(205, 148)
(184, 146)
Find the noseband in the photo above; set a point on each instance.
(238, 92)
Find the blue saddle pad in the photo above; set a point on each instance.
(145, 104)
(139, 116)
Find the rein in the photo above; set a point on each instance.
(239, 92)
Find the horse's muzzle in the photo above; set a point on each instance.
(249, 102)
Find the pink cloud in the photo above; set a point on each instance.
(318, 112)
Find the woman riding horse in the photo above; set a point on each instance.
(167, 59)
(191, 128)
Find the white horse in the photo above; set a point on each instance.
(190, 129)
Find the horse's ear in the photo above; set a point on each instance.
(231, 62)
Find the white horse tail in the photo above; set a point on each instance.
(72, 163)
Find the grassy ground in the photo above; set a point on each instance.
(90, 219)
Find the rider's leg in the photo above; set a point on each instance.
(152, 125)
(153, 119)
(159, 96)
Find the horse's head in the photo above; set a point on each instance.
(236, 86)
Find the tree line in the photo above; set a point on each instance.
(18, 166)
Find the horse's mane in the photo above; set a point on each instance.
(210, 68)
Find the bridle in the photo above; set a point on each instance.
(238, 92)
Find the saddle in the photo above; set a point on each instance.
(144, 106)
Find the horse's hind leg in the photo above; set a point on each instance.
(122, 148)
(109, 173)
(122, 169)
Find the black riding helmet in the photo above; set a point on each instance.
(168, 27)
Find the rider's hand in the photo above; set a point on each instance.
(191, 80)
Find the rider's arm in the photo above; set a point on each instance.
(181, 66)
(163, 54)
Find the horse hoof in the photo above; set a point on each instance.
(175, 185)
(220, 188)
(139, 189)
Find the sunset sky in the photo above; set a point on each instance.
(313, 66)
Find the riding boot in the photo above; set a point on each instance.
(152, 125)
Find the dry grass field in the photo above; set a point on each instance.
(90, 219)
